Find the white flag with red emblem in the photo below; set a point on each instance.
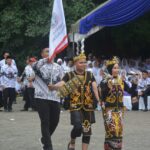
(58, 39)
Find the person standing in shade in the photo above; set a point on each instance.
(9, 75)
(47, 102)
(81, 100)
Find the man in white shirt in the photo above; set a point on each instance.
(9, 74)
(28, 77)
(2, 63)
(95, 68)
(144, 87)
(47, 102)
(1, 96)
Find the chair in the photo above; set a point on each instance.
(141, 103)
(127, 102)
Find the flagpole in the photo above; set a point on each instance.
(52, 61)
(73, 45)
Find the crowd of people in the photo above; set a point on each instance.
(83, 83)
(132, 70)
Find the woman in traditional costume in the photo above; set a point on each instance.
(111, 90)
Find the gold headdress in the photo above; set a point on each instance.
(80, 56)
(114, 60)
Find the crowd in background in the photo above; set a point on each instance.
(131, 70)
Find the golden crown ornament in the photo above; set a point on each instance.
(114, 60)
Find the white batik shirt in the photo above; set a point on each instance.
(28, 73)
(8, 76)
(46, 73)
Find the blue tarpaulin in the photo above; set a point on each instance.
(113, 13)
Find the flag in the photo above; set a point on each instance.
(58, 39)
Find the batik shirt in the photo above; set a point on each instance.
(8, 76)
(46, 73)
(112, 91)
(28, 73)
(83, 96)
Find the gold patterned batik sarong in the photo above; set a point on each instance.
(114, 128)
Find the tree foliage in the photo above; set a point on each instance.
(25, 24)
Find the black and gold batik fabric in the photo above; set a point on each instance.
(81, 100)
(114, 128)
(112, 96)
(81, 97)
(83, 118)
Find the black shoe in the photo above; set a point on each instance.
(145, 110)
(33, 109)
(47, 148)
(9, 110)
(5, 110)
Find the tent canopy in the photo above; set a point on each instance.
(111, 13)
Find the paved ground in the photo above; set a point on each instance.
(21, 131)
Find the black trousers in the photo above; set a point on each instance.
(49, 112)
(9, 97)
(77, 119)
(1, 99)
(29, 98)
(145, 95)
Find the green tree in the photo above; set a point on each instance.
(25, 24)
